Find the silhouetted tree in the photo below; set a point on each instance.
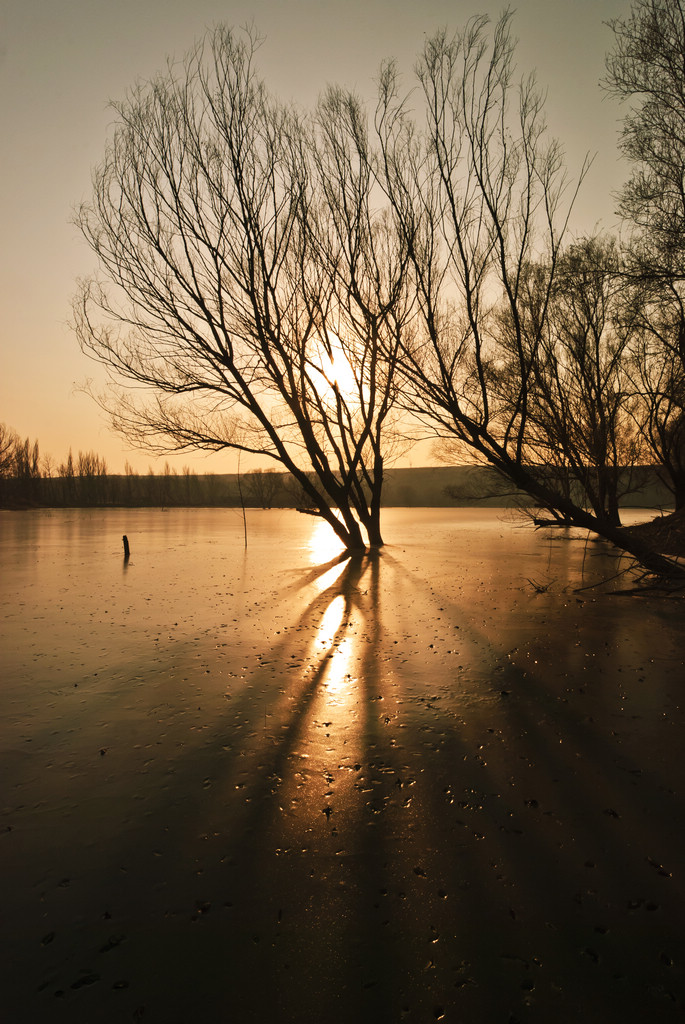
(582, 404)
(9, 442)
(48, 466)
(658, 375)
(68, 476)
(239, 249)
(645, 70)
(91, 472)
(262, 487)
(27, 471)
(478, 199)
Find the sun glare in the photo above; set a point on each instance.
(335, 369)
(343, 374)
(331, 622)
(323, 543)
(337, 647)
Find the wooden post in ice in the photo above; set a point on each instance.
(127, 550)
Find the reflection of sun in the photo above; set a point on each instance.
(324, 544)
(331, 622)
(338, 681)
(333, 644)
(327, 579)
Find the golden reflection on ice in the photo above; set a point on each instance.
(323, 542)
(335, 646)
(331, 621)
(339, 677)
(328, 578)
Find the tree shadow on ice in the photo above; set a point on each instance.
(397, 833)
(315, 868)
(205, 914)
(549, 828)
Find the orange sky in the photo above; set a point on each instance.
(60, 63)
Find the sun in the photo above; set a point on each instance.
(343, 373)
(332, 365)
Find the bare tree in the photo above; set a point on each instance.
(645, 72)
(369, 307)
(222, 249)
(479, 196)
(9, 441)
(91, 472)
(581, 404)
(263, 486)
(658, 377)
(27, 470)
(645, 69)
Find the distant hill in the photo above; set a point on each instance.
(427, 487)
(480, 486)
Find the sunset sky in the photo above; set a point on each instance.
(61, 61)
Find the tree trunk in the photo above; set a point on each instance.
(374, 529)
(679, 493)
(372, 520)
(348, 530)
(654, 562)
(646, 555)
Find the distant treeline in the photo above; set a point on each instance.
(28, 480)
(161, 489)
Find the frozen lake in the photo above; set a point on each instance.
(439, 782)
